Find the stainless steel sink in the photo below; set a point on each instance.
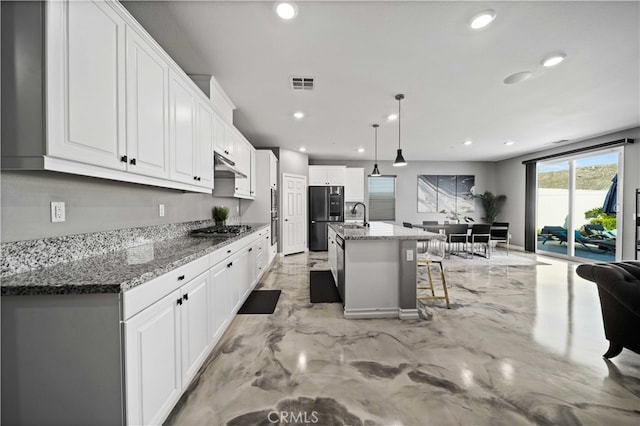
(352, 226)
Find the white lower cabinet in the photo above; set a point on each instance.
(152, 359)
(195, 330)
(220, 302)
(167, 341)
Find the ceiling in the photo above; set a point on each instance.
(363, 53)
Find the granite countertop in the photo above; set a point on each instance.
(382, 231)
(117, 271)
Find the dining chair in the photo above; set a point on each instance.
(500, 233)
(457, 234)
(435, 253)
(480, 236)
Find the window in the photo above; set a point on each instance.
(382, 198)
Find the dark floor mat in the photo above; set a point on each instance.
(260, 302)
(322, 288)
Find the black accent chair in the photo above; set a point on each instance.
(457, 234)
(619, 291)
(500, 233)
(480, 236)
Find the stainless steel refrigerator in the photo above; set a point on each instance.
(326, 204)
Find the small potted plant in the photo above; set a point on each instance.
(220, 214)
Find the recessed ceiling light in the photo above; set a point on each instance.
(554, 59)
(467, 142)
(298, 114)
(360, 149)
(392, 117)
(482, 19)
(518, 77)
(302, 149)
(286, 10)
(509, 143)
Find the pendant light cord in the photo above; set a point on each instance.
(399, 120)
(375, 126)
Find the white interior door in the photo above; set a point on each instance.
(294, 218)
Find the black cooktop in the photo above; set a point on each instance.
(219, 230)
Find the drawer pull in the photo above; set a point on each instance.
(229, 265)
(181, 277)
(228, 251)
(251, 249)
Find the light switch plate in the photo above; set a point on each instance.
(409, 255)
(57, 211)
(161, 209)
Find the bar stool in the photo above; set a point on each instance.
(434, 253)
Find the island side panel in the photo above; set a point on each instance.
(61, 360)
(408, 283)
(372, 274)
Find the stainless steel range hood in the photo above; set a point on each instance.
(225, 168)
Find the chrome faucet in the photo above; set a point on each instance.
(353, 211)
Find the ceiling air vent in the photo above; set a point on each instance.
(302, 83)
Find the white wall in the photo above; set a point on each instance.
(92, 205)
(510, 180)
(407, 183)
(553, 204)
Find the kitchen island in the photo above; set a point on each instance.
(375, 268)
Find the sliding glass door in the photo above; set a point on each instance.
(577, 206)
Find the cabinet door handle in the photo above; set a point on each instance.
(229, 265)
(133, 161)
(195, 178)
(181, 277)
(251, 249)
(179, 301)
(228, 251)
(199, 179)
(123, 159)
(186, 296)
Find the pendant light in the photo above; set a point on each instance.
(400, 161)
(375, 171)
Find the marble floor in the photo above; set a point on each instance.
(521, 344)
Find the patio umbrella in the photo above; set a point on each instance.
(610, 200)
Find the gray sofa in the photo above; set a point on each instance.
(619, 291)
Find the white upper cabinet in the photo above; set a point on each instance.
(182, 117)
(85, 91)
(117, 106)
(326, 175)
(204, 149)
(354, 184)
(243, 162)
(224, 139)
(253, 184)
(147, 104)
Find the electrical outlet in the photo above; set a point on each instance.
(409, 255)
(161, 210)
(57, 211)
